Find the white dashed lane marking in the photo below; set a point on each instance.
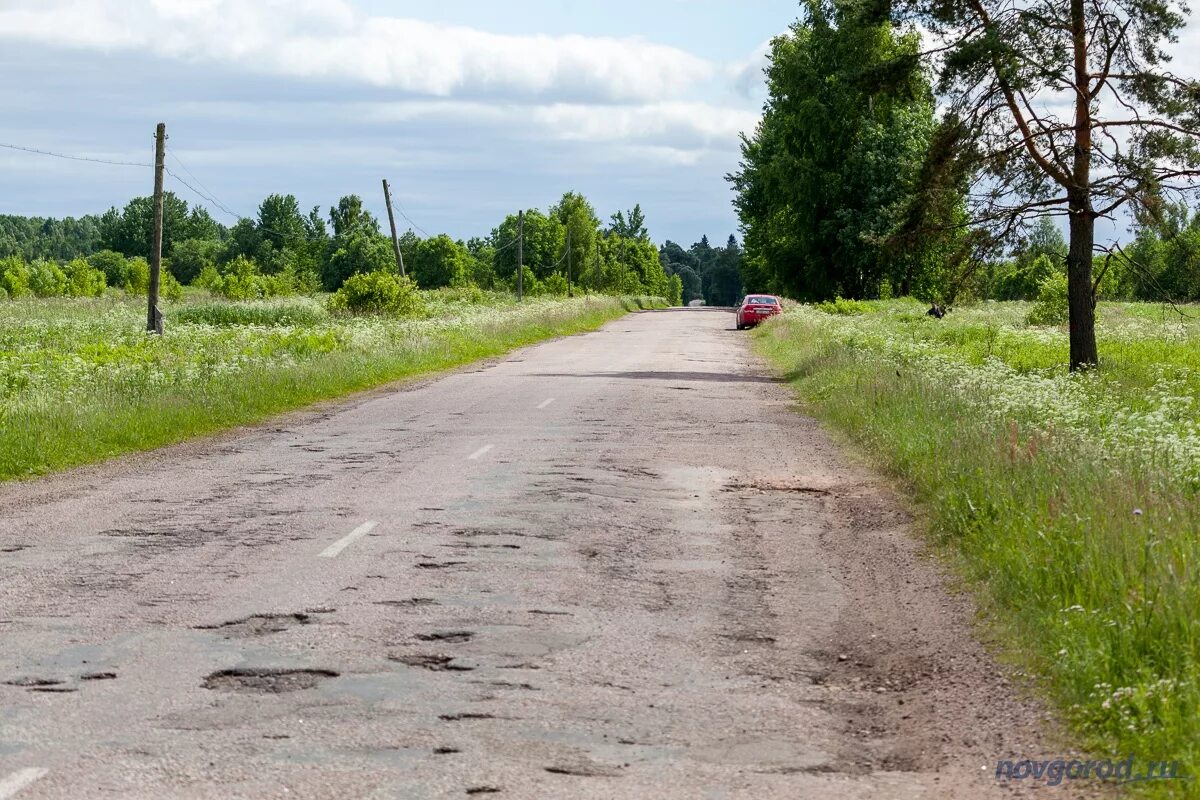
(545, 403)
(481, 452)
(21, 779)
(341, 544)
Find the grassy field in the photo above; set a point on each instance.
(80, 381)
(1069, 502)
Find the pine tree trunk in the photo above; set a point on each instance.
(1083, 223)
(1079, 287)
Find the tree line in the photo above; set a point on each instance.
(284, 249)
(886, 165)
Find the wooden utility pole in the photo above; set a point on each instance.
(569, 292)
(520, 256)
(387, 195)
(154, 323)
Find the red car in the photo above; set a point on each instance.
(755, 308)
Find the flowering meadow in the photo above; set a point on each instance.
(1071, 503)
(80, 379)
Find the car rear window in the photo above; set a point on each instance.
(762, 301)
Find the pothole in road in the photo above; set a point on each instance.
(439, 564)
(258, 624)
(411, 602)
(777, 486)
(476, 532)
(431, 663)
(266, 681)
(449, 637)
(585, 770)
(481, 546)
(751, 638)
(98, 676)
(464, 717)
(14, 548)
(482, 790)
(33, 683)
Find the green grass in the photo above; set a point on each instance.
(284, 311)
(81, 382)
(1071, 504)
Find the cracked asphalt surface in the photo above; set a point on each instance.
(616, 565)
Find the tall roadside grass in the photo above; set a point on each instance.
(281, 311)
(80, 381)
(1069, 503)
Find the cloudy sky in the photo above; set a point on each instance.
(472, 109)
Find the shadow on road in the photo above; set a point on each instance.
(714, 377)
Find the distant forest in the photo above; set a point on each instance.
(315, 250)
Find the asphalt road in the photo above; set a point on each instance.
(617, 565)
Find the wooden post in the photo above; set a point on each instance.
(520, 256)
(154, 316)
(569, 292)
(387, 195)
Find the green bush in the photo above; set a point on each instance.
(136, 280)
(299, 280)
(378, 293)
(297, 312)
(135, 276)
(209, 279)
(112, 264)
(46, 279)
(555, 284)
(14, 277)
(1051, 307)
(241, 279)
(630, 284)
(84, 280)
(844, 307)
(531, 286)
(191, 257)
(359, 250)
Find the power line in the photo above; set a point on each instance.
(291, 237)
(207, 195)
(502, 249)
(76, 158)
(400, 208)
(220, 206)
(200, 183)
(559, 262)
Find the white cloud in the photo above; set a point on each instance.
(747, 75)
(682, 126)
(328, 39)
(1186, 51)
(679, 123)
